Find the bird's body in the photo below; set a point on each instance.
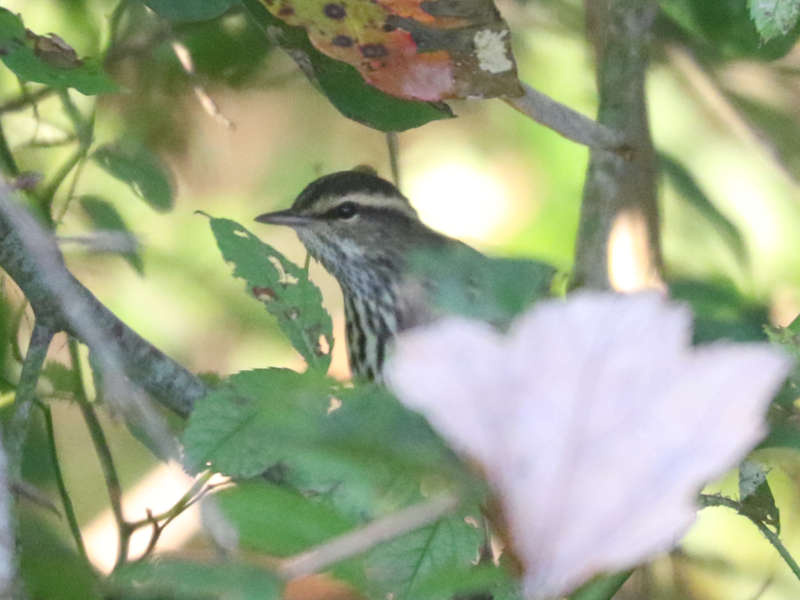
(363, 230)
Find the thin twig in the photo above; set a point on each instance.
(361, 540)
(707, 500)
(26, 393)
(207, 102)
(103, 454)
(566, 121)
(393, 146)
(7, 163)
(69, 510)
(26, 100)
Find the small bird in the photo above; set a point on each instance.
(363, 231)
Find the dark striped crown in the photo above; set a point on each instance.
(342, 184)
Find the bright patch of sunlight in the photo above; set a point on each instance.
(158, 491)
(461, 201)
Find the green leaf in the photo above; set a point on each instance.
(342, 84)
(61, 377)
(468, 283)
(47, 60)
(45, 562)
(604, 587)
(252, 421)
(367, 456)
(774, 18)
(690, 191)
(183, 580)
(720, 311)
(725, 28)
(782, 435)
(473, 583)
(182, 11)
(104, 217)
(399, 568)
(279, 521)
(283, 287)
(148, 177)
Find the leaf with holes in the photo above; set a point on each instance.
(48, 59)
(774, 18)
(412, 48)
(283, 287)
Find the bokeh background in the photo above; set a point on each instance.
(490, 177)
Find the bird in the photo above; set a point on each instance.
(364, 232)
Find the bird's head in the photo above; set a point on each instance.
(353, 222)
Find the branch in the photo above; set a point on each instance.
(566, 121)
(8, 583)
(707, 500)
(361, 540)
(32, 259)
(620, 185)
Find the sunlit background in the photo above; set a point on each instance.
(490, 177)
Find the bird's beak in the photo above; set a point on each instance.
(284, 217)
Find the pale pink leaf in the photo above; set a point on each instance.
(595, 420)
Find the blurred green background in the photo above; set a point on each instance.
(727, 118)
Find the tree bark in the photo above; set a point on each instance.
(620, 186)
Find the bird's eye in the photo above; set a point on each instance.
(345, 210)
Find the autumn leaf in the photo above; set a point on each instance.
(595, 421)
(413, 49)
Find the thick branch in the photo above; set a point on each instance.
(32, 259)
(566, 121)
(619, 185)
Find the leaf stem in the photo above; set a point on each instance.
(707, 500)
(393, 145)
(26, 394)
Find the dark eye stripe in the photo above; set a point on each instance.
(345, 210)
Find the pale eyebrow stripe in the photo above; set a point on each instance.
(323, 205)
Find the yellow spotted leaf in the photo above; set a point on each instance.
(413, 49)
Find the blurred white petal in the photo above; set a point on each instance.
(595, 420)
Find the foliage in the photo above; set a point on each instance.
(48, 60)
(178, 579)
